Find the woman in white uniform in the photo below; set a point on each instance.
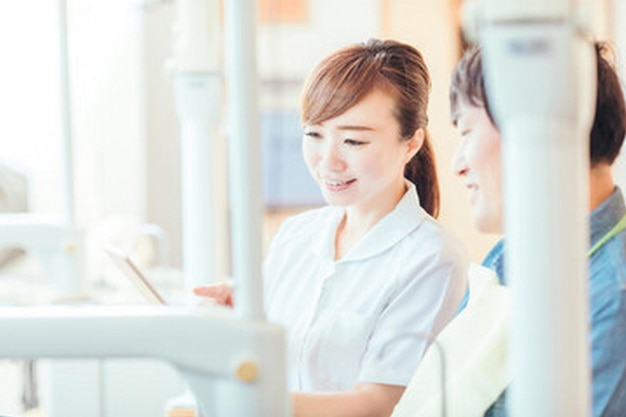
(363, 283)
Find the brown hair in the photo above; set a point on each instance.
(345, 77)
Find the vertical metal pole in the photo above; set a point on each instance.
(244, 151)
(68, 262)
(197, 81)
(67, 162)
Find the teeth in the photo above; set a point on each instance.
(335, 183)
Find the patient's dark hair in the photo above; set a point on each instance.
(609, 123)
(468, 83)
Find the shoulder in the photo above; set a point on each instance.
(494, 260)
(433, 233)
(608, 278)
(420, 233)
(433, 252)
(433, 259)
(608, 264)
(436, 242)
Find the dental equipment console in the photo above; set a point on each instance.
(52, 242)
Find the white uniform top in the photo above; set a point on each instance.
(366, 317)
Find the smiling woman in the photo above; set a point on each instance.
(357, 159)
(359, 283)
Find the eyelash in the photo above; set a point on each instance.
(350, 142)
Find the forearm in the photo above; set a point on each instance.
(365, 400)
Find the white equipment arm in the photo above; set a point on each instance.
(205, 345)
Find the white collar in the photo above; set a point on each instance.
(406, 216)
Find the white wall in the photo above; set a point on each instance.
(107, 112)
(291, 50)
(29, 131)
(104, 83)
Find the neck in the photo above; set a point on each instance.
(601, 185)
(351, 229)
(358, 220)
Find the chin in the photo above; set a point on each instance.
(338, 202)
(485, 224)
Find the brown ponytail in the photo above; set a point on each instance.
(422, 171)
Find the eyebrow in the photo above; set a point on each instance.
(360, 128)
(355, 127)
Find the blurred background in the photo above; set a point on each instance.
(126, 137)
(124, 125)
